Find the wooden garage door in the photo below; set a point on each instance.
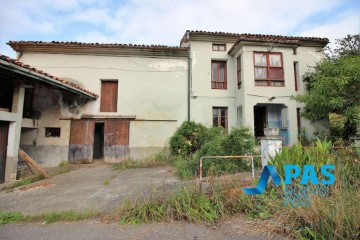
(81, 140)
(116, 139)
(4, 130)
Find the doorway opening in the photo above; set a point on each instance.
(98, 152)
(260, 120)
(271, 116)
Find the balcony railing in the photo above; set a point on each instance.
(218, 85)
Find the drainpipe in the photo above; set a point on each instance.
(189, 84)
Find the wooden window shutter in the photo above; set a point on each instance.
(109, 93)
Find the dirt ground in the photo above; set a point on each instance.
(98, 187)
(235, 228)
(87, 188)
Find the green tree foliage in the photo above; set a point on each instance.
(334, 86)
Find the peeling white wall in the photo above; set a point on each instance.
(152, 88)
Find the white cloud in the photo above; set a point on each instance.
(338, 27)
(164, 22)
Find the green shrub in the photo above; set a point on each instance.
(187, 139)
(240, 141)
(210, 142)
(185, 168)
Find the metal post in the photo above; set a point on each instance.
(252, 167)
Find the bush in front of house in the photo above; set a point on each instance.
(187, 139)
(188, 147)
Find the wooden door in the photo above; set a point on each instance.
(81, 140)
(116, 139)
(4, 131)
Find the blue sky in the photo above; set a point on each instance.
(164, 22)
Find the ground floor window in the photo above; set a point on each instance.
(220, 117)
(52, 132)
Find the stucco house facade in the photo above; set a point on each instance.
(146, 91)
(248, 80)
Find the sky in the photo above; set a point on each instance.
(165, 21)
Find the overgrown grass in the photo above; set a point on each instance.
(193, 205)
(22, 182)
(159, 159)
(64, 216)
(335, 216)
(10, 217)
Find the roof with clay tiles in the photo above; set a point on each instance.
(48, 76)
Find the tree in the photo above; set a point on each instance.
(334, 85)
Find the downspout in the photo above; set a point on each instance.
(189, 85)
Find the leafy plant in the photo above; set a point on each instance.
(299, 155)
(188, 138)
(334, 85)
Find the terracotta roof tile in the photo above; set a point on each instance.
(28, 67)
(102, 45)
(260, 36)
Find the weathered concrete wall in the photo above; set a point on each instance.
(14, 118)
(145, 139)
(47, 155)
(151, 88)
(49, 151)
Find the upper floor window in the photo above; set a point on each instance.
(238, 76)
(218, 47)
(268, 69)
(220, 117)
(109, 94)
(218, 75)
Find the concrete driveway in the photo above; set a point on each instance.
(85, 189)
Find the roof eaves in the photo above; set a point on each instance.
(34, 72)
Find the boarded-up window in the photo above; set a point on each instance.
(109, 93)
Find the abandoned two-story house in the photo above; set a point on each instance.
(146, 91)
